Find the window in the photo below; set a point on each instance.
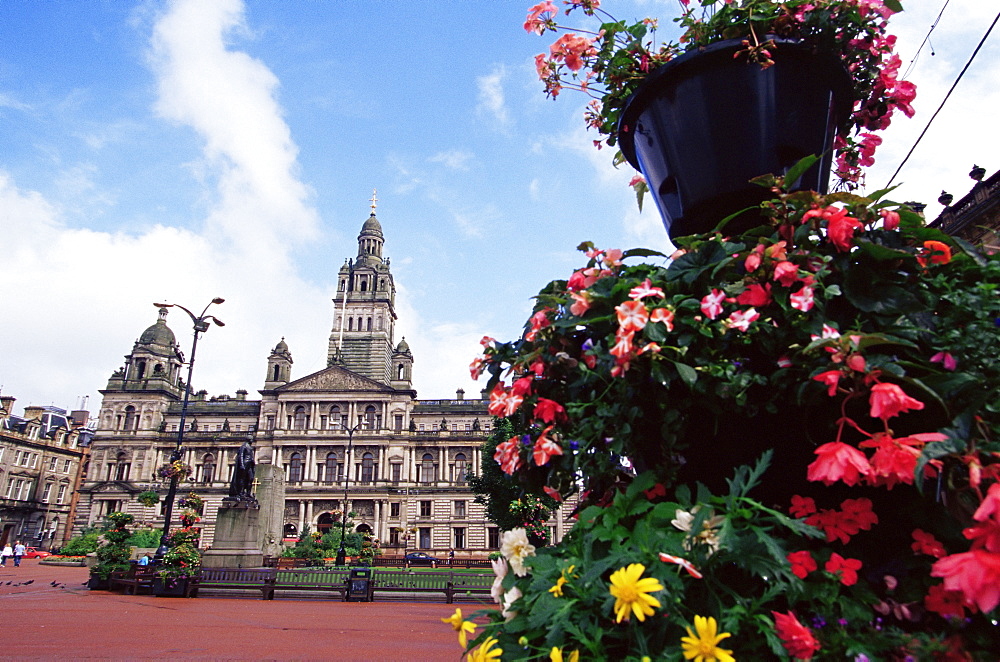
(398, 423)
(295, 468)
(2, 449)
(397, 470)
(130, 418)
(468, 427)
(460, 509)
(335, 417)
(393, 538)
(47, 491)
(427, 468)
(301, 420)
(493, 537)
(52, 463)
(208, 468)
(34, 460)
(269, 423)
(367, 468)
(10, 487)
(330, 468)
(394, 510)
(424, 539)
(459, 532)
(122, 467)
(371, 421)
(461, 467)
(66, 465)
(425, 508)
(17, 458)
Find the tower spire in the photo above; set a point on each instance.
(374, 200)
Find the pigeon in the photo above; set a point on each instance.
(28, 582)
(53, 583)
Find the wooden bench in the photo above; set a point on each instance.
(260, 579)
(332, 580)
(134, 580)
(408, 581)
(469, 585)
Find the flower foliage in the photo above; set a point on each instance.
(815, 342)
(608, 61)
(182, 558)
(176, 469)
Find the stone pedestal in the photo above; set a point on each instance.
(237, 537)
(271, 495)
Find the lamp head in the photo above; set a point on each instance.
(218, 300)
(164, 305)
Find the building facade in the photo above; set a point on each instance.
(355, 427)
(43, 456)
(976, 217)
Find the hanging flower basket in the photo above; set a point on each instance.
(704, 124)
(176, 469)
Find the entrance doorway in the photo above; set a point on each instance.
(324, 523)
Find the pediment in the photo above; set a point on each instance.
(335, 378)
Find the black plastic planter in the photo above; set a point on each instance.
(701, 126)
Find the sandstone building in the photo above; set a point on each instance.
(357, 422)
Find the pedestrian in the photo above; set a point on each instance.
(451, 557)
(6, 554)
(18, 553)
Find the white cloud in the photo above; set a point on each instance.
(453, 159)
(491, 96)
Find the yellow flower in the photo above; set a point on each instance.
(704, 647)
(461, 626)
(557, 589)
(486, 652)
(556, 655)
(632, 593)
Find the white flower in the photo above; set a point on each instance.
(683, 520)
(515, 548)
(500, 570)
(509, 598)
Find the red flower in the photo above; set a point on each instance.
(644, 290)
(934, 252)
(860, 513)
(840, 228)
(802, 563)
(848, 568)
(522, 386)
(926, 543)
(984, 535)
(945, 602)
(802, 506)
(755, 295)
(664, 315)
(838, 461)
(508, 455)
(632, 316)
(888, 400)
(549, 411)
(989, 509)
(786, 273)
(711, 304)
(545, 448)
(975, 573)
(797, 639)
(831, 378)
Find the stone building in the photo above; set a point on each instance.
(42, 457)
(976, 217)
(355, 425)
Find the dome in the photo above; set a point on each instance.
(159, 333)
(282, 346)
(402, 347)
(372, 227)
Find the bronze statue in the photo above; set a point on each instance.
(243, 472)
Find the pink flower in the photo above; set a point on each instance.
(549, 411)
(503, 403)
(711, 304)
(975, 573)
(682, 562)
(797, 639)
(841, 228)
(802, 563)
(895, 460)
(831, 378)
(741, 319)
(545, 448)
(522, 386)
(581, 303)
(644, 290)
(487, 342)
(888, 400)
(664, 315)
(847, 568)
(945, 359)
(786, 273)
(803, 299)
(890, 219)
(623, 345)
(535, 22)
(838, 461)
(989, 509)
(635, 181)
(926, 543)
(650, 347)
(476, 367)
(632, 316)
(508, 455)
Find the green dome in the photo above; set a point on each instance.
(372, 227)
(159, 333)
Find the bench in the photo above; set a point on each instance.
(261, 579)
(311, 579)
(137, 578)
(469, 585)
(407, 581)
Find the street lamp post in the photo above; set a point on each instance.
(342, 553)
(200, 326)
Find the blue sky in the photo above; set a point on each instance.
(178, 151)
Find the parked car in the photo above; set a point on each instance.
(421, 558)
(34, 553)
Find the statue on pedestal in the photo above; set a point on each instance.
(240, 489)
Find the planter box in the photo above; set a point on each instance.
(95, 583)
(172, 587)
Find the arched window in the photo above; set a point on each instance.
(274, 378)
(350, 323)
(207, 468)
(364, 285)
(324, 523)
(334, 417)
(378, 323)
(427, 468)
(122, 467)
(371, 419)
(360, 319)
(141, 369)
(301, 420)
(291, 531)
(330, 468)
(295, 468)
(130, 418)
(460, 468)
(369, 324)
(367, 468)
(400, 372)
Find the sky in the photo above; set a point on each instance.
(180, 150)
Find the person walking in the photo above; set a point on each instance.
(6, 554)
(19, 550)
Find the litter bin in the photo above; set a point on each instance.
(359, 585)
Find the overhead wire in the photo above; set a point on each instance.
(943, 101)
(927, 38)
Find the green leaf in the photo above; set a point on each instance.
(894, 5)
(793, 174)
(687, 373)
